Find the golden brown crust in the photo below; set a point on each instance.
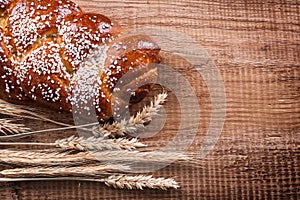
(8, 81)
(46, 43)
(4, 7)
(134, 54)
(80, 34)
(29, 21)
(43, 76)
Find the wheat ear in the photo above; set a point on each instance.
(7, 126)
(140, 182)
(134, 123)
(59, 171)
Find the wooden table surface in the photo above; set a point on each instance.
(256, 47)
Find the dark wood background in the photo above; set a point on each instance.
(255, 46)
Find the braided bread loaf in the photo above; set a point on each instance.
(44, 44)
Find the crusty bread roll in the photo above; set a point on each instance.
(44, 44)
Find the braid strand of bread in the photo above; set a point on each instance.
(46, 44)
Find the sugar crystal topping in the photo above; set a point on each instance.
(86, 83)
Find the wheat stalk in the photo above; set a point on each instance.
(25, 157)
(116, 181)
(10, 109)
(55, 162)
(107, 130)
(58, 171)
(7, 126)
(22, 157)
(17, 111)
(137, 156)
(85, 144)
(93, 143)
(18, 130)
(134, 123)
(140, 182)
(21, 135)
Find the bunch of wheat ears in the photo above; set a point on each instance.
(96, 158)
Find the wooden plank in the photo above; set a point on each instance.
(256, 48)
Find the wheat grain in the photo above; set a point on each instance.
(134, 123)
(7, 126)
(140, 182)
(58, 171)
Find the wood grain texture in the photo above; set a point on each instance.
(256, 47)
